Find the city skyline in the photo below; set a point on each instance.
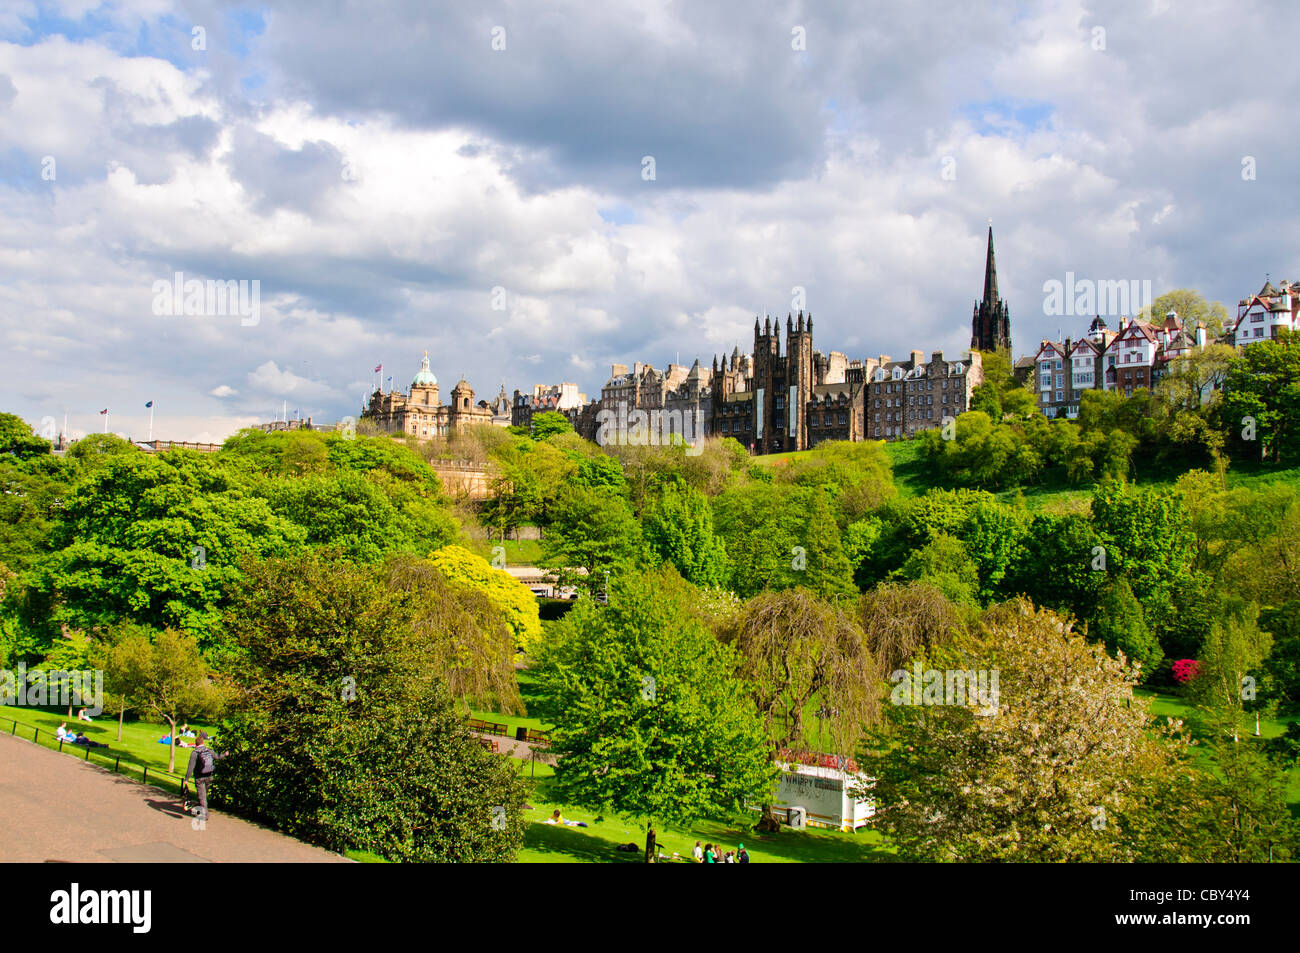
(505, 218)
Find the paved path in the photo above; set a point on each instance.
(54, 807)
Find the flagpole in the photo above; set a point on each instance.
(105, 422)
(150, 420)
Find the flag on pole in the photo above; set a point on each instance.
(378, 368)
(150, 404)
(103, 412)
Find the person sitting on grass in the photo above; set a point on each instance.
(555, 818)
(165, 740)
(62, 734)
(82, 716)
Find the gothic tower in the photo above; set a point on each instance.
(799, 381)
(991, 320)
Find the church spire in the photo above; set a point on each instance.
(990, 275)
(990, 318)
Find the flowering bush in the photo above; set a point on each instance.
(1186, 669)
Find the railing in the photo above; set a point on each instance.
(159, 778)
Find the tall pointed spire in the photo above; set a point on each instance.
(990, 275)
(990, 318)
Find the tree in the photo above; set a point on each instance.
(1192, 308)
(593, 530)
(902, 621)
(796, 649)
(175, 683)
(18, 438)
(127, 658)
(549, 423)
(650, 720)
(513, 599)
(1261, 400)
(1121, 626)
(1234, 649)
(678, 527)
(345, 734)
(1055, 774)
(1148, 540)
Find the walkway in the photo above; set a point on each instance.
(54, 807)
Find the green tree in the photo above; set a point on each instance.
(650, 720)
(18, 439)
(796, 650)
(345, 735)
(1261, 400)
(1025, 778)
(678, 527)
(549, 423)
(174, 683)
(593, 530)
(1121, 626)
(1192, 308)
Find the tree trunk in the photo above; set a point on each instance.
(171, 749)
(769, 823)
(121, 714)
(651, 848)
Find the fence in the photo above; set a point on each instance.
(163, 780)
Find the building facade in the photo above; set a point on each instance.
(906, 397)
(421, 413)
(1261, 316)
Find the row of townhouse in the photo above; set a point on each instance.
(1133, 357)
(905, 397)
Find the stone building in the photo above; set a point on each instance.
(906, 397)
(421, 413)
(561, 398)
(772, 403)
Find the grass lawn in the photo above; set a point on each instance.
(138, 748)
(912, 478)
(518, 552)
(548, 844)
(1166, 704)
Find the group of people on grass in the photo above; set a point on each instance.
(712, 854)
(182, 733)
(75, 737)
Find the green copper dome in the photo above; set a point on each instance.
(425, 378)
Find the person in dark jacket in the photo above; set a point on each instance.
(203, 763)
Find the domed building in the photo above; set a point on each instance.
(420, 413)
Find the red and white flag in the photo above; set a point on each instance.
(103, 412)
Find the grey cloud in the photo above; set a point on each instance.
(279, 177)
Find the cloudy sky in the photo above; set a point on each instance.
(473, 178)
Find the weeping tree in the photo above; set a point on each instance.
(902, 620)
(798, 653)
(462, 633)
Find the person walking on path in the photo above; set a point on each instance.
(203, 763)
